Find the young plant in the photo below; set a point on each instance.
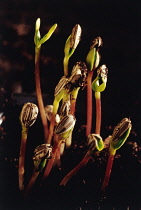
(70, 46)
(95, 143)
(118, 138)
(28, 117)
(42, 153)
(38, 42)
(92, 60)
(62, 131)
(99, 85)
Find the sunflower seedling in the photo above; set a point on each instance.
(28, 117)
(118, 138)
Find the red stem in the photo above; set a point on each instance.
(83, 162)
(98, 116)
(108, 172)
(89, 103)
(39, 95)
(51, 161)
(31, 183)
(22, 159)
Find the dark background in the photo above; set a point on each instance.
(119, 25)
(117, 22)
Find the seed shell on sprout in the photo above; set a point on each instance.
(121, 128)
(29, 114)
(41, 151)
(92, 141)
(63, 81)
(102, 71)
(64, 109)
(75, 36)
(67, 123)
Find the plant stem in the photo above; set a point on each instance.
(89, 103)
(108, 172)
(81, 164)
(31, 183)
(39, 94)
(51, 161)
(66, 61)
(73, 98)
(98, 112)
(22, 158)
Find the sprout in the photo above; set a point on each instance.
(93, 57)
(28, 114)
(101, 77)
(41, 154)
(28, 117)
(94, 141)
(70, 46)
(120, 134)
(118, 138)
(78, 77)
(65, 126)
(75, 36)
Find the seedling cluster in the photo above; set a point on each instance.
(59, 119)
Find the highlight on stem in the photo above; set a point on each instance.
(28, 117)
(118, 138)
(92, 61)
(95, 143)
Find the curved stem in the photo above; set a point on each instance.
(39, 94)
(89, 103)
(83, 162)
(98, 112)
(22, 158)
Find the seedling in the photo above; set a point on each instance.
(92, 60)
(28, 117)
(38, 42)
(99, 85)
(118, 138)
(95, 143)
(42, 153)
